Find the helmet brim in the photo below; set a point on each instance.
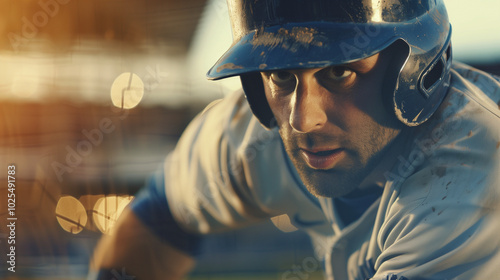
(304, 45)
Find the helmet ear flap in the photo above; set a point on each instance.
(397, 53)
(253, 86)
(415, 98)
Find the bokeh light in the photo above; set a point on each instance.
(107, 210)
(71, 214)
(127, 91)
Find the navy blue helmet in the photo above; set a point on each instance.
(294, 34)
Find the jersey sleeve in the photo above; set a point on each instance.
(205, 183)
(152, 209)
(227, 171)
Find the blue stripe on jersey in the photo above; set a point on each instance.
(351, 207)
(151, 206)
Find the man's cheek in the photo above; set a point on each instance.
(282, 117)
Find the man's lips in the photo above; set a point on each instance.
(322, 158)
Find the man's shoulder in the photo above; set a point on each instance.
(469, 116)
(455, 155)
(231, 120)
(225, 111)
(482, 87)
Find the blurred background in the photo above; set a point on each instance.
(95, 93)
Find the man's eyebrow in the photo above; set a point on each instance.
(362, 65)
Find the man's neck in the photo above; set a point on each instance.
(398, 147)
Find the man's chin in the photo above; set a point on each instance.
(341, 180)
(329, 183)
(322, 192)
(328, 191)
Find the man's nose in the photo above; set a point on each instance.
(308, 106)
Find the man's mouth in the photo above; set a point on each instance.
(322, 158)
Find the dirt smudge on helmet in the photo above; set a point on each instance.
(229, 66)
(287, 39)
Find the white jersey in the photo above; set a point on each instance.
(438, 216)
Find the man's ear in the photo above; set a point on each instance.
(253, 86)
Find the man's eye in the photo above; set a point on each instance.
(282, 77)
(338, 73)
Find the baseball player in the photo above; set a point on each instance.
(354, 122)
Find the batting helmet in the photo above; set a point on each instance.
(293, 34)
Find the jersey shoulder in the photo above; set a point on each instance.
(442, 197)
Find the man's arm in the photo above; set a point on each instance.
(133, 249)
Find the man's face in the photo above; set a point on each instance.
(333, 122)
